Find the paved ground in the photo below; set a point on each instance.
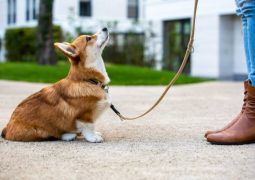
(167, 144)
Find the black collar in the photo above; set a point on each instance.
(98, 83)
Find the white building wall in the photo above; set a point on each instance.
(168, 9)
(21, 15)
(109, 10)
(3, 23)
(240, 66)
(104, 13)
(226, 47)
(205, 61)
(232, 57)
(20, 20)
(66, 14)
(3, 14)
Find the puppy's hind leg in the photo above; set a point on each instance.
(68, 136)
(21, 132)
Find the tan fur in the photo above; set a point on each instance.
(54, 110)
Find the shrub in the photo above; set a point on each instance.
(126, 48)
(20, 43)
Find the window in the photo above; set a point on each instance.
(85, 8)
(176, 38)
(133, 9)
(34, 16)
(11, 17)
(27, 10)
(31, 10)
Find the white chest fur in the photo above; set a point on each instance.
(102, 105)
(98, 63)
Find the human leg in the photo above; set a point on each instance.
(239, 12)
(251, 46)
(243, 130)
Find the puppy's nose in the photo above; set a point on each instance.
(105, 29)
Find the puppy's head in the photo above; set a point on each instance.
(85, 50)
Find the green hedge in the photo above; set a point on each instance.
(20, 43)
(125, 48)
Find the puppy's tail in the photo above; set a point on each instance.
(3, 132)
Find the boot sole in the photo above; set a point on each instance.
(241, 143)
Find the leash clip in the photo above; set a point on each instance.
(116, 112)
(191, 50)
(190, 47)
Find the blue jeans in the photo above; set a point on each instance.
(246, 9)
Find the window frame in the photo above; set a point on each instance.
(31, 10)
(11, 12)
(34, 13)
(89, 5)
(168, 49)
(27, 10)
(136, 7)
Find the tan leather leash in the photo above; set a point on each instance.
(184, 62)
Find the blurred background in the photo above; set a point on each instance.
(151, 33)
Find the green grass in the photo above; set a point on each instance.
(119, 74)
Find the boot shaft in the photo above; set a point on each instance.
(250, 102)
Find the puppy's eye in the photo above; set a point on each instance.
(88, 38)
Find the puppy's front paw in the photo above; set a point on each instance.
(94, 137)
(68, 137)
(98, 133)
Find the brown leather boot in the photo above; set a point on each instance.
(243, 131)
(237, 117)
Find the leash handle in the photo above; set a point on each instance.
(178, 73)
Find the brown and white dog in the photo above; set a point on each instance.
(71, 105)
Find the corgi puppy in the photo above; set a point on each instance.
(72, 105)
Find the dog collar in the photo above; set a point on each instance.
(99, 83)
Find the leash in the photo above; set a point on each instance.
(184, 62)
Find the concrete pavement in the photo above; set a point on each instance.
(166, 144)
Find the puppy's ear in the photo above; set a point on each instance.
(67, 49)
